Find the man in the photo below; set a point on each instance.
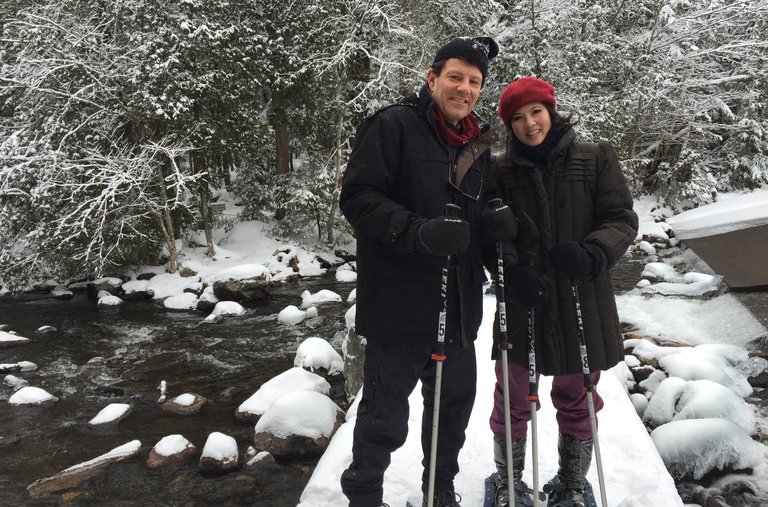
(410, 160)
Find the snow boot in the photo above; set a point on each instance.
(574, 460)
(445, 499)
(522, 491)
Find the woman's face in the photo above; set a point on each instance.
(531, 123)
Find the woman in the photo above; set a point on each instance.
(576, 222)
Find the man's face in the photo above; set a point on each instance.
(456, 90)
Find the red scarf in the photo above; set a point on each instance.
(469, 129)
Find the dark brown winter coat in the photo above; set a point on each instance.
(581, 195)
(396, 178)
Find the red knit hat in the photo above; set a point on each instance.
(524, 91)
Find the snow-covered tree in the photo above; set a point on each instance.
(119, 117)
(678, 86)
(79, 193)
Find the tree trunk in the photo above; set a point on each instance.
(199, 166)
(337, 166)
(166, 225)
(282, 151)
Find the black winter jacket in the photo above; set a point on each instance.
(397, 177)
(581, 195)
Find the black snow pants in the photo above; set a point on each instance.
(391, 372)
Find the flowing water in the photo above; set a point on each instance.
(142, 344)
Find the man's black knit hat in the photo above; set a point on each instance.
(476, 50)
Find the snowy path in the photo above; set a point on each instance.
(634, 473)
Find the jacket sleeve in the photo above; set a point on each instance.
(616, 222)
(369, 179)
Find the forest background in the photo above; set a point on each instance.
(123, 122)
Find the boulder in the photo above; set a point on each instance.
(171, 450)
(220, 454)
(353, 349)
(11, 339)
(298, 425)
(74, 476)
(243, 283)
(185, 404)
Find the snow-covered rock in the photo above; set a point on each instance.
(220, 453)
(246, 281)
(15, 382)
(185, 404)
(346, 273)
(8, 340)
(298, 424)
(349, 317)
(224, 308)
(136, 289)
(75, 475)
(693, 448)
(170, 450)
(679, 365)
(109, 301)
(31, 396)
(111, 414)
(291, 380)
(207, 301)
(61, 292)
(316, 353)
(322, 296)
(181, 302)
(292, 315)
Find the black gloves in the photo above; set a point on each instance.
(526, 285)
(499, 221)
(579, 260)
(442, 236)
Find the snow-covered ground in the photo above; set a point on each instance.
(626, 448)
(699, 431)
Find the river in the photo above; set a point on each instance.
(143, 344)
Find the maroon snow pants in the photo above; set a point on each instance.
(568, 397)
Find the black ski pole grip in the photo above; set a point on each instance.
(452, 210)
(495, 202)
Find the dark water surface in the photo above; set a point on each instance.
(144, 344)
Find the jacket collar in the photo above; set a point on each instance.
(557, 151)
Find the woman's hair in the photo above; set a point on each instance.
(559, 121)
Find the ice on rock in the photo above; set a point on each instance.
(702, 399)
(703, 368)
(698, 446)
(661, 407)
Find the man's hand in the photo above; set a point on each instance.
(443, 236)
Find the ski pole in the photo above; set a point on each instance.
(531, 234)
(504, 347)
(451, 213)
(589, 388)
(533, 397)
